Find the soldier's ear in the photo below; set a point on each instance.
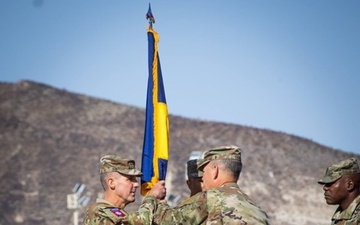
(350, 185)
(111, 183)
(215, 172)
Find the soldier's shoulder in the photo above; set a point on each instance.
(196, 202)
(356, 212)
(199, 198)
(104, 214)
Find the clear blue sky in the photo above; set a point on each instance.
(289, 66)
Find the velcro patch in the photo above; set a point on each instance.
(117, 212)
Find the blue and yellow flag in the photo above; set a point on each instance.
(156, 137)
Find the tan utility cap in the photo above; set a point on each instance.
(222, 152)
(336, 171)
(113, 163)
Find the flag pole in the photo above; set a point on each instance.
(156, 136)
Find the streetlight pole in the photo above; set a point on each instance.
(76, 217)
(74, 201)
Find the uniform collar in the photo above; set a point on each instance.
(348, 212)
(100, 200)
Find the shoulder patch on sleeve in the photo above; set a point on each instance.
(117, 212)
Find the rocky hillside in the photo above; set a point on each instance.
(51, 139)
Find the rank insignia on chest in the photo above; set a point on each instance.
(117, 212)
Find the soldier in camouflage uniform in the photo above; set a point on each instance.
(118, 179)
(342, 187)
(222, 201)
(194, 177)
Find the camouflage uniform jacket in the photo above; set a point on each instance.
(223, 205)
(350, 216)
(105, 213)
(229, 205)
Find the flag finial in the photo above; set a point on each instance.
(150, 17)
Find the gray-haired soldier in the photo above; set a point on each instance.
(118, 179)
(342, 187)
(222, 201)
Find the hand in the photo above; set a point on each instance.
(159, 190)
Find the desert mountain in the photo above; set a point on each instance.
(51, 139)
